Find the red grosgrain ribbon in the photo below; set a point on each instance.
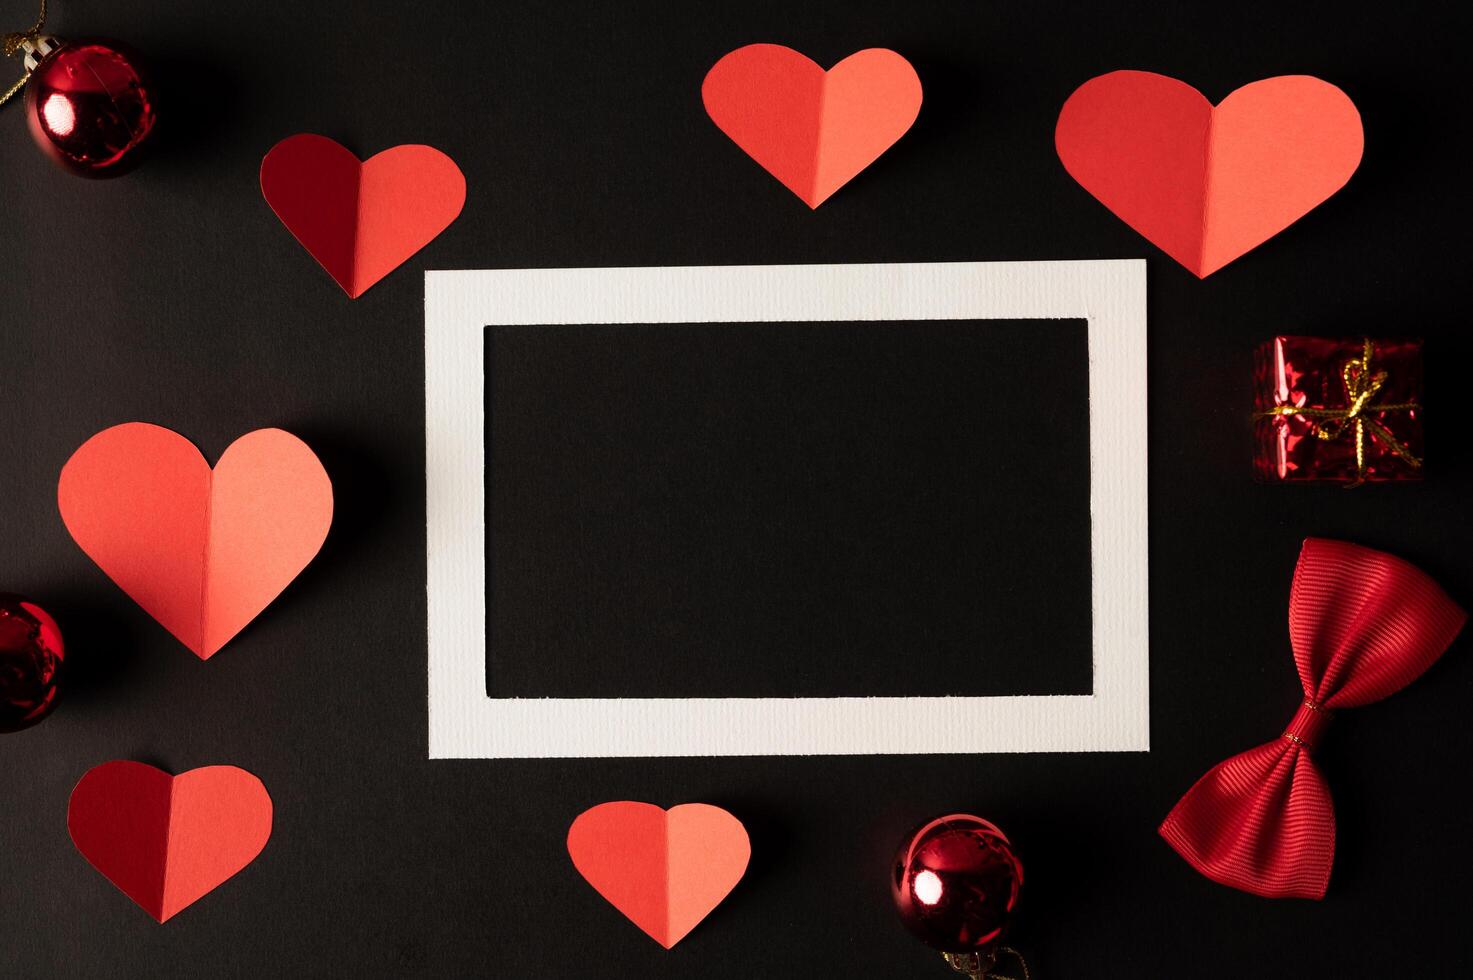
(1363, 625)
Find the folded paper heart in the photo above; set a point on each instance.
(202, 551)
(813, 130)
(665, 870)
(361, 220)
(1206, 184)
(167, 841)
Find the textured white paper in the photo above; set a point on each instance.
(465, 723)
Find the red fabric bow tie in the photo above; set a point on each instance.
(1363, 625)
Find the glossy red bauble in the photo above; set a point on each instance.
(90, 108)
(30, 663)
(956, 883)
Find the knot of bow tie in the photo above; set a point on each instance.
(1308, 724)
(1363, 625)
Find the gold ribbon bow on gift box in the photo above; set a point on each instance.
(1361, 385)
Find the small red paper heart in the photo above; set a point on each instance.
(167, 841)
(202, 551)
(665, 870)
(1206, 184)
(814, 130)
(361, 221)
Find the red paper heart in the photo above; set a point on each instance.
(814, 130)
(665, 870)
(202, 551)
(361, 221)
(167, 841)
(1206, 184)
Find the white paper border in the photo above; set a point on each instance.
(465, 723)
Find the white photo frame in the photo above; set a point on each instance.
(464, 722)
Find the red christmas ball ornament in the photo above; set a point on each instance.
(31, 656)
(88, 105)
(955, 883)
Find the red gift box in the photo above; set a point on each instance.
(1348, 411)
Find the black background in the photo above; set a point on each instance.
(174, 296)
(788, 509)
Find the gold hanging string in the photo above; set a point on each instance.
(977, 967)
(1361, 385)
(14, 42)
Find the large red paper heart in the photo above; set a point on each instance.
(814, 130)
(665, 870)
(1203, 183)
(361, 221)
(202, 551)
(167, 841)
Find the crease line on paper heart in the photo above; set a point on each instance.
(1207, 178)
(813, 200)
(670, 937)
(203, 651)
(354, 289)
(160, 911)
(667, 934)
